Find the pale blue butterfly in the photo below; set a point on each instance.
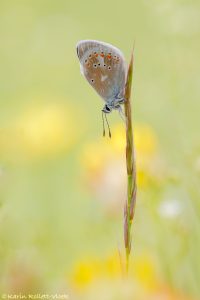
(104, 67)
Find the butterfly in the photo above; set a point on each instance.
(104, 67)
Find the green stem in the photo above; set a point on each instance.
(130, 163)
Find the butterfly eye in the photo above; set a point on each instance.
(107, 108)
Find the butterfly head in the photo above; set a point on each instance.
(113, 104)
(107, 109)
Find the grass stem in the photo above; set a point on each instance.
(129, 208)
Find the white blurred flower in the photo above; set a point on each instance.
(170, 208)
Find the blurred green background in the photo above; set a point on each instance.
(62, 186)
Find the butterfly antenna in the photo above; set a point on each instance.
(103, 123)
(108, 126)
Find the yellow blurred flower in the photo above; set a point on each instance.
(41, 131)
(105, 167)
(96, 154)
(99, 153)
(91, 275)
(118, 140)
(85, 272)
(111, 266)
(143, 269)
(89, 270)
(145, 140)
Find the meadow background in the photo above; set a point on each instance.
(62, 186)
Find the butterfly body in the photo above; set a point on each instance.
(104, 67)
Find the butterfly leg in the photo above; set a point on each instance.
(119, 101)
(121, 113)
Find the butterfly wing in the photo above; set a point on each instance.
(104, 67)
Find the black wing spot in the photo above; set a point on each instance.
(109, 68)
(94, 65)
